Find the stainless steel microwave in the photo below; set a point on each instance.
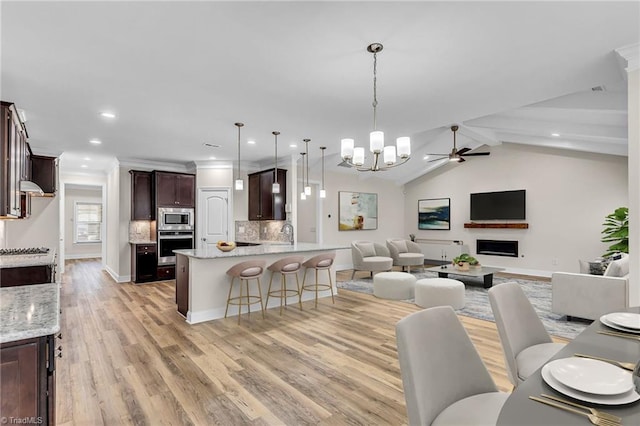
(175, 219)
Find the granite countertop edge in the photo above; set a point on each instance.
(29, 311)
(142, 242)
(25, 260)
(264, 249)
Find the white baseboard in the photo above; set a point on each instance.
(117, 278)
(82, 256)
(532, 272)
(217, 313)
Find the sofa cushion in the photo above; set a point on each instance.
(400, 245)
(367, 249)
(618, 268)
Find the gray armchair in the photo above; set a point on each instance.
(405, 253)
(371, 257)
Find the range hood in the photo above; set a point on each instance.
(30, 187)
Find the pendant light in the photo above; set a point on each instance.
(276, 186)
(323, 193)
(307, 187)
(239, 181)
(303, 194)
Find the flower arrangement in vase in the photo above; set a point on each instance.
(464, 262)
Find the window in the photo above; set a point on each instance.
(88, 221)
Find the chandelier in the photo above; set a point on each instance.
(354, 156)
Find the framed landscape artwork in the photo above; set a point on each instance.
(434, 214)
(358, 211)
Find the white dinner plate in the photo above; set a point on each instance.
(625, 319)
(610, 324)
(591, 376)
(624, 398)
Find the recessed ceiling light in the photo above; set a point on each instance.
(95, 141)
(87, 159)
(107, 114)
(425, 157)
(555, 135)
(84, 166)
(293, 145)
(212, 158)
(251, 142)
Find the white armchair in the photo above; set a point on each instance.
(405, 253)
(591, 296)
(369, 256)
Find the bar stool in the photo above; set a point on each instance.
(245, 271)
(320, 262)
(286, 266)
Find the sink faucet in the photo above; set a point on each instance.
(287, 228)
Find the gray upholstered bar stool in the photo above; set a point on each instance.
(245, 271)
(320, 262)
(287, 266)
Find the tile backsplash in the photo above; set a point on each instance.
(140, 230)
(262, 230)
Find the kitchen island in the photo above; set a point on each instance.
(202, 285)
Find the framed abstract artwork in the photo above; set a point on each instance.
(358, 211)
(434, 214)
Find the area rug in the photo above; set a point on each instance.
(477, 301)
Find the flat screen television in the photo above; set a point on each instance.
(503, 205)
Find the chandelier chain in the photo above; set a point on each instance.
(375, 91)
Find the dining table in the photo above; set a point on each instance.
(519, 409)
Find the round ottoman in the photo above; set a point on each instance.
(394, 285)
(432, 292)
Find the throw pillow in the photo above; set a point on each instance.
(367, 249)
(596, 268)
(400, 245)
(618, 268)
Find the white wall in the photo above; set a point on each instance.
(390, 211)
(112, 226)
(40, 229)
(568, 195)
(79, 250)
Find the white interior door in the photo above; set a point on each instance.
(213, 217)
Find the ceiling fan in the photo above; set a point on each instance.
(457, 155)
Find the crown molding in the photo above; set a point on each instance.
(153, 165)
(631, 54)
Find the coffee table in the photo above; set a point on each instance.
(484, 272)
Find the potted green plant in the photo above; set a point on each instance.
(616, 231)
(465, 261)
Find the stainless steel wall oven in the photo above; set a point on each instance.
(172, 240)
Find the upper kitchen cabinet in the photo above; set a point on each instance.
(175, 189)
(13, 151)
(141, 196)
(263, 203)
(43, 173)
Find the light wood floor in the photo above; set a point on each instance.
(130, 358)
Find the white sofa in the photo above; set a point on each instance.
(591, 296)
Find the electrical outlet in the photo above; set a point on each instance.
(554, 262)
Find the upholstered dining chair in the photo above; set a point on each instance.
(444, 379)
(371, 257)
(405, 253)
(526, 344)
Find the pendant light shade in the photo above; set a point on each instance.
(307, 187)
(275, 188)
(323, 193)
(239, 184)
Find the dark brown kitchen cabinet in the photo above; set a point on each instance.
(182, 284)
(13, 141)
(142, 207)
(175, 189)
(27, 389)
(144, 263)
(263, 203)
(43, 173)
(167, 272)
(26, 275)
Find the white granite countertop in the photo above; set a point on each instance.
(263, 249)
(29, 311)
(149, 242)
(21, 260)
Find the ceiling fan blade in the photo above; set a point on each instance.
(463, 150)
(461, 160)
(475, 153)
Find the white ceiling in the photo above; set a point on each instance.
(179, 74)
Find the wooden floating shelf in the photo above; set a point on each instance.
(497, 225)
